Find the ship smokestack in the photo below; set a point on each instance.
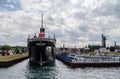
(42, 30)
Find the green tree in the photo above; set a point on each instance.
(94, 47)
(5, 47)
(0, 47)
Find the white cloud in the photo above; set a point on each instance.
(75, 22)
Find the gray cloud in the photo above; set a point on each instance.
(108, 8)
(74, 22)
(80, 15)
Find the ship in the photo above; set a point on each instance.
(41, 49)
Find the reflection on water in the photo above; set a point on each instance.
(24, 70)
(37, 72)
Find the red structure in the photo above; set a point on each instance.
(42, 30)
(42, 34)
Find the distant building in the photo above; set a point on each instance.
(117, 50)
(86, 50)
(104, 50)
(115, 44)
(103, 41)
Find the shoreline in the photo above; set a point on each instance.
(11, 62)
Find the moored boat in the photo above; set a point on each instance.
(41, 49)
(87, 60)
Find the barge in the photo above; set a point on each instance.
(89, 61)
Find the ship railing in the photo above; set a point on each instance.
(44, 39)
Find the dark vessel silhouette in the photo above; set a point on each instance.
(41, 50)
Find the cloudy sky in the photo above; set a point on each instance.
(74, 22)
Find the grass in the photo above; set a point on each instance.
(11, 57)
(92, 53)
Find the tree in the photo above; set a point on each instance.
(0, 47)
(112, 49)
(94, 47)
(117, 47)
(5, 47)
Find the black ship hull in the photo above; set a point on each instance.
(41, 52)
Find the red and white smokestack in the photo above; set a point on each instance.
(42, 30)
(42, 33)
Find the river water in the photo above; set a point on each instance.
(24, 70)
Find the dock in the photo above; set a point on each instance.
(89, 61)
(7, 61)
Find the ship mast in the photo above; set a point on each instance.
(42, 21)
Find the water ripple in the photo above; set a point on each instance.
(24, 70)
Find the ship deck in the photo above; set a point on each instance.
(42, 39)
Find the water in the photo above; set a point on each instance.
(59, 71)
